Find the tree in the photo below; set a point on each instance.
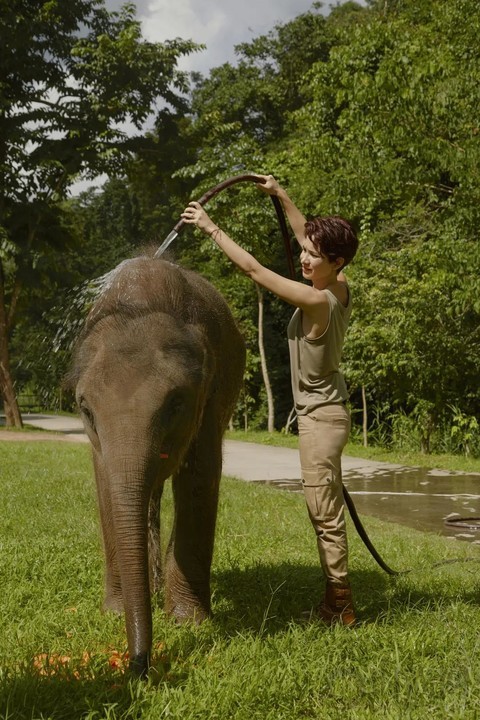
(72, 75)
(238, 113)
(389, 133)
(160, 191)
(98, 229)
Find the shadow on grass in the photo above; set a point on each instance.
(269, 598)
(61, 697)
(263, 599)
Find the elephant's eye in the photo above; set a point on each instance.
(173, 407)
(87, 414)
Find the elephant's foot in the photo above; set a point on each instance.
(139, 665)
(184, 612)
(113, 603)
(187, 596)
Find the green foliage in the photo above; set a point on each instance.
(389, 136)
(103, 229)
(370, 112)
(159, 190)
(255, 95)
(73, 75)
(465, 432)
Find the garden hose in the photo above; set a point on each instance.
(222, 186)
(464, 523)
(363, 534)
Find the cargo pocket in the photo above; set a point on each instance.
(323, 494)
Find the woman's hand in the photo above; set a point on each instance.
(194, 214)
(270, 186)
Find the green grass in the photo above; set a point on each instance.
(413, 655)
(444, 462)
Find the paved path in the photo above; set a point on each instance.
(247, 461)
(416, 497)
(250, 461)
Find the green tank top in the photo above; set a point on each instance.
(314, 364)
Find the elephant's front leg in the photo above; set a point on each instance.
(189, 555)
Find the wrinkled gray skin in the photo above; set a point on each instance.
(157, 371)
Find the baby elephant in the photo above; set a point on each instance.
(157, 371)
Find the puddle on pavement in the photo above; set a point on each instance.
(416, 497)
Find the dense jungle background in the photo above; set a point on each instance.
(368, 112)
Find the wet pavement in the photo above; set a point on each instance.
(416, 497)
(422, 499)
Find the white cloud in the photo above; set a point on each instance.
(219, 26)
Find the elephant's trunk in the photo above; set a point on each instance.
(130, 497)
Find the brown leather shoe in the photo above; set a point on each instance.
(337, 606)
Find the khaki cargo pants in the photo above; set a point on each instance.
(322, 436)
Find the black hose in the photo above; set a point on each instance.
(286, 238)
(276, 202)
(363, 533)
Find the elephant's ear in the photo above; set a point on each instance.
(209, 360)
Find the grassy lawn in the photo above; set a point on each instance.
(414, 654)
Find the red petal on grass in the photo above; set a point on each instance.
(50, 664)
(46, 664)
(118, 661)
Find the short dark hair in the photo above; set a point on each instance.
(333, 237)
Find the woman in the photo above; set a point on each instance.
(315, 335)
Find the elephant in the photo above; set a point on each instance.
(156, 370)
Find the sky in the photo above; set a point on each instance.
(218, 24)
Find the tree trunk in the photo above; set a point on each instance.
(292, 416)
(13, 417)
(263, 362)
(365, 417)
(426, 434)
(245, 408)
